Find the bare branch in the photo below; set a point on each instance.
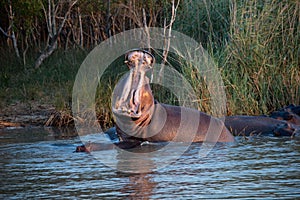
(80, 27)
(53, 31)
(53, 10)
(4, 33)
(46, 16)
(66, 16)
(11, 29)
(146, 30)
(167, 41)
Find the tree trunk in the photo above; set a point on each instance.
(167, 37)
(45, 54)
(80, 28)
(53, 30)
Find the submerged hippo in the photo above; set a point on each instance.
(140, 118)
(284, 122)
(243, 125)
(290, 114)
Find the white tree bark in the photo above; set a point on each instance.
(54, 30)
(10, 31)
(167, 35)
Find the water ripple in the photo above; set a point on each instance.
(260, 168)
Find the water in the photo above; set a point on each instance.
(38, 163)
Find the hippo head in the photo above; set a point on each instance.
(132, 95)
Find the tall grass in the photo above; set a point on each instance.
(257, 47)
(262, 63)
(207, 21)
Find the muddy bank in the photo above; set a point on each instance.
(21, 114)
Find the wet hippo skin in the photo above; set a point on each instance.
(259, 125)
(290, 114)
(284, 122)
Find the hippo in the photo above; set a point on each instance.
(284, 122)
(290, 114)
(139, 117)
(243, 125)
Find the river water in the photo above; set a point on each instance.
(41, 163)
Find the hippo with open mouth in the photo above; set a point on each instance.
(139, 117)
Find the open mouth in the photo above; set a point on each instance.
(127, 112)
(132, 107)
(133, 91)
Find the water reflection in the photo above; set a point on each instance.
(35, 134)
(39, 164)
(140, 186)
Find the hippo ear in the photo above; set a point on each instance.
(126, 57)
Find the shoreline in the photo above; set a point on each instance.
(37, 114)
(20, 114)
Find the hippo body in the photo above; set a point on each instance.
(140, 118)
(179, 124)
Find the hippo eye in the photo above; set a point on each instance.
(147, 65)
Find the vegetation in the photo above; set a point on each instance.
(256, 45)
